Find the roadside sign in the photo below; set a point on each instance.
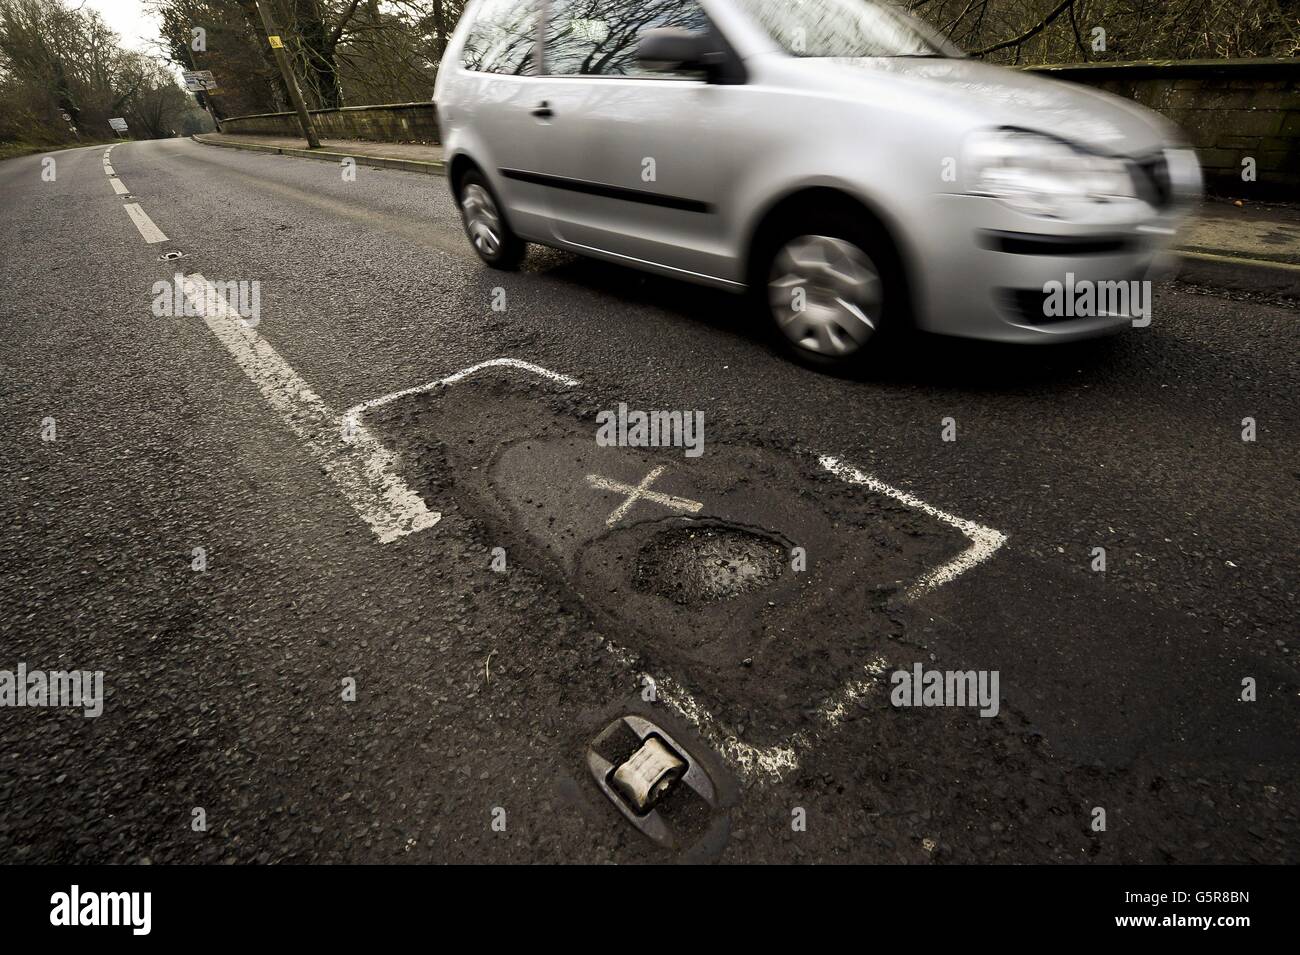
(197, 81)
(118, 124)
(66, 117)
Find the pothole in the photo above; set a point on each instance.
(698, 564)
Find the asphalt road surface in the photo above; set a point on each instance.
(484, 578)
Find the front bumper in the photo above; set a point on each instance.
(983, 268)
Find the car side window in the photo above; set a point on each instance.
(503, 38)
(599, 37)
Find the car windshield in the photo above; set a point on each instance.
(845, 28)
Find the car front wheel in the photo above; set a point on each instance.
(485, 225)
(831, 289)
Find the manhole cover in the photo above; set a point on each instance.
(701, 563)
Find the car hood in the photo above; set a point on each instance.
(999, 96)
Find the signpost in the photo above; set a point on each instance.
(202, 81)
(118, 124)
(199, 81)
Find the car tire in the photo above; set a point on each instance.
(830, 288)
(485, 224)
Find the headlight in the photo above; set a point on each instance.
(1041, 175)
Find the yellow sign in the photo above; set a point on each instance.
(275, 42)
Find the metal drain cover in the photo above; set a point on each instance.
(168, 256)
(696, 564)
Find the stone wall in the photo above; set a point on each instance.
(390, 123)
(1230, 110)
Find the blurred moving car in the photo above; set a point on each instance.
(835, 158)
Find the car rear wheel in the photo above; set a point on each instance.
(485, 225)
(831, 289)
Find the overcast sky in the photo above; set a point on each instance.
(129, 19)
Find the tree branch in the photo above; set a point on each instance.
(1028, 34)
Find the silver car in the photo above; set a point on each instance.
(835, 159)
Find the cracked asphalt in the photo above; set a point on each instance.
(478, 690)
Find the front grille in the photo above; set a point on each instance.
(1151, 180)
(1030, 243)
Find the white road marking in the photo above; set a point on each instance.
(356, 411)
(641, 492)
(362, 468)
(984, 540)
(142, 222)
(119, 186)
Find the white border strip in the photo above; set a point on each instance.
(119, 187)
(362, 468)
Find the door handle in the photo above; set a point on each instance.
(543, 110)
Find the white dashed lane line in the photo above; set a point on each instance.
(148, 230)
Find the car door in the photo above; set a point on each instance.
(635, 164)
(495, 86)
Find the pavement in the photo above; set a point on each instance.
(364, 589)
(412, 157)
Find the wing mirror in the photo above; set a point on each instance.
(669, 49)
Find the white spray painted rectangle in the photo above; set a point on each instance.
(758, 763)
